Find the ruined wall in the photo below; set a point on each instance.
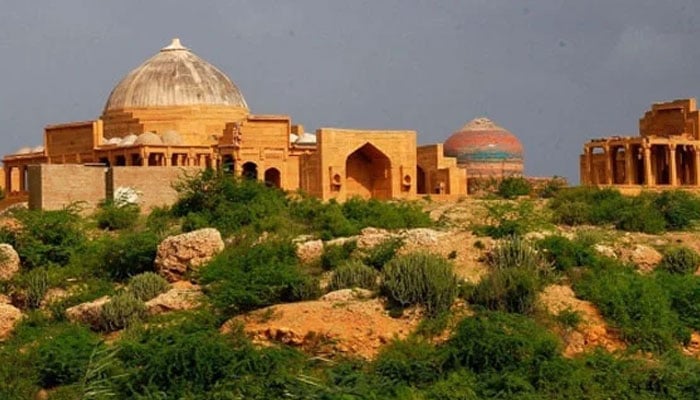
(671, 118)
(53, 187)
(441, 175)
(154, 184)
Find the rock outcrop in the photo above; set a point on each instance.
(180, 254)
(88, 313)
(9, 262)
(9, 318)
(182, 296)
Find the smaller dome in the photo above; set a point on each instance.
(24, 150)
(128, 140)
(306, 138)
(38, 149)
(114, 140)
(293, 138)
(172, 138)
(148, 138)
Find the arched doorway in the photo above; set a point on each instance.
(228, 164)
(368, 173)
(420, 184)
(250, 170)
(272, 177)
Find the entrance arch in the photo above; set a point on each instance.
(273, 178)
(420, 184)
(250, 170)
(368, 173)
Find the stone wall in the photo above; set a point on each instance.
(52, 186)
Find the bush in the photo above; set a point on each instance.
(130, 254)
(36, 283)
(680, 209)
(63, 359)
(497, 341)
(121, 311)
(412, 362)
(113, 217)
(637, 305)
(335, 254)
(510, 290)
(46, 237)
(639, 215)
(516, 252)
(245, 278)
(680, 260)
(564, 254)
(420, 279)
(382, 253)
(147, 285)
(383, 214)
(512, 187)
(353, 274)
(684, 294)
(508, 218)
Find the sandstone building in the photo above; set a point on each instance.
(665, 154)
(176, 112)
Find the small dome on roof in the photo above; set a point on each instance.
(38, 149)
(172, 138)
(24, 150)
(293, 138)
(148, 138)
(128, 140)
(114, 140)
(306, 138)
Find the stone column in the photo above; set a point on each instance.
(647, 165)
(22, 176)
(628, 164)
(673, 178)
(8, 180)
(587, 179)
(608, 165)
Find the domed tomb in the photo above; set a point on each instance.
(485, 149)
(175, 90)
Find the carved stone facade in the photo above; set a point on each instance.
(665, 154)
(178, 111)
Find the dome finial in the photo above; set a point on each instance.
(174, 45)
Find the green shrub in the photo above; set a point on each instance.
(509, 290)
(130, 254)
(680, 209)
(383, 214)
(147, 285)
(335, 254)
(307, 288)
(412, 362)
(516, 252)
(36, 283)
(512, 187)
(121, 311)
(637, 305)
(382, 253)
(63, 359)
(551, 187)
(459, 385)
(640, 215)
(420, 279)
(564, 254)
(586, 205)
(114, 217)
(46, 237)
(243, 278)
(684, 294)
(498, 341)
(353, 274)
(509, 218)
(680, 260)
(569, 318)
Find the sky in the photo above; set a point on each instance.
(555, 73)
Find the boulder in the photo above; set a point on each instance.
(309, 251)
(177, 255)
(9, 262)
(422, 236)
(87, 313)
(181, 297)
(347, 295)
(604, 250)
(645, 257)
(9, 317)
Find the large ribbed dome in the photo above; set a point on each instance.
(174, 77)
(485, 149)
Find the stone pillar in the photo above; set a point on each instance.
(647, 165)
(22, 178)
(587, 179)
(608, 165)
(629, 170)
(696, 165)
(8, 180)
(672, 173)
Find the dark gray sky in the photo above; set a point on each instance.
(555, 72)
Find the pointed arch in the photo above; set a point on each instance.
(368, 173)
